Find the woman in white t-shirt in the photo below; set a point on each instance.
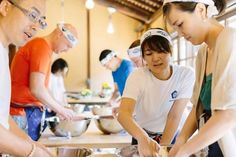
(157, 93)
(56, 82)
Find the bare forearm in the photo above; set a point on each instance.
(217, 126)
(173, 120)
(131, 126)
(44, 96)
(170, 130)
(65, 99)
(190, 126)
(114, 96)
(11, 144)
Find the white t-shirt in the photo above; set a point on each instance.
(5, 86)
(154, 97)
(57, 88)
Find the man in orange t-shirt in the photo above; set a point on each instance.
(30, 73)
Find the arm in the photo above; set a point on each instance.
(147, 146)
(7, 136)
(65, 103)
(21, 134)
(125, 117)
(189, 127)
(114, 96)
(187, 131)
(173, 119)
(11, 144)
(39, 90)
(56, 85)
(217, 126)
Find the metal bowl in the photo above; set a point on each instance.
(78, 108)
(102, 110)
(70, 152)
(77, 152)
(107, 125)
(67, 128)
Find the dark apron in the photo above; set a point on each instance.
(213, 149)
(35, 119)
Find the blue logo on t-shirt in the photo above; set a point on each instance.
(174, 94)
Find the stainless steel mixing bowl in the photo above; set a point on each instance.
(108, 124)
(73, 152)
(77, 152)
(67, 128)
(78, 108)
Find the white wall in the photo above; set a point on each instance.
(123, 36)
(76, 14)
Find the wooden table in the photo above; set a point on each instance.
(92, 138)
(88, 101)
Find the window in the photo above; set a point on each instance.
(184, 53)
(175, 51)
(231, 22)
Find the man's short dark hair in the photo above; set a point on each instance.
(104, 53)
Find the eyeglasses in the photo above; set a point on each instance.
(32, 15)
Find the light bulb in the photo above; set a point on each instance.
(110, 28)
(89, 4)
(111, 10)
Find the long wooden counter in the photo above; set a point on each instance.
(92, 138)
(88, 101)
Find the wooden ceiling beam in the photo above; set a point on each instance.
(157, 1)
(157, 14)
(133, 7)
(154, 5)
(126, 10)
(142, 5)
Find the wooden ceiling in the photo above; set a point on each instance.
(144, 11)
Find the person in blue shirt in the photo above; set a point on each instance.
(121, 68)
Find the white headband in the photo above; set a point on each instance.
(134, 52)
(69, 36)
(157, 32)
(211, 9)
(108, 58)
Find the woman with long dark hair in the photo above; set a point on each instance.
(214, 98)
